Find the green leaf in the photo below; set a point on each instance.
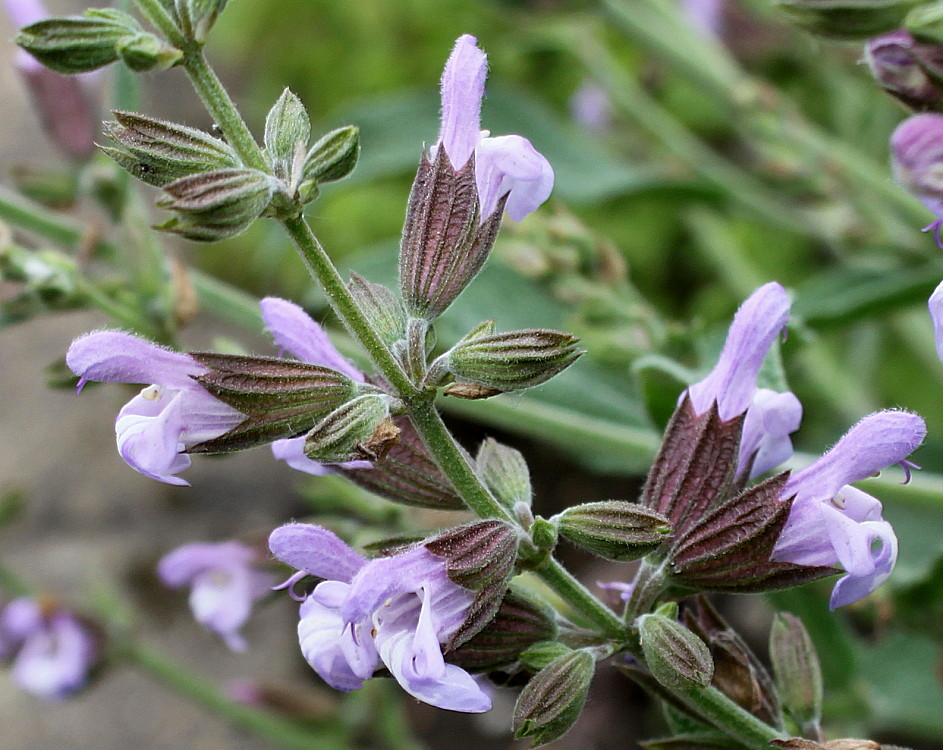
(844, 295)
(287, 130)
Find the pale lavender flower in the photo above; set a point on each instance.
(765, 442)
(707, 16)
(65, 105)
(225, 583)
(392, 611)
(51, 650)
(900, 65)
(171, 414)
(936, 315)
(832, 523)
(506, 165)
(917, 155)
(770, 416)
(590, 107)
(296, 333)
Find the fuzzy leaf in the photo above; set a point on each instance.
(381, 306)
(505, 473)
(78, 44)
(333, 157)
(287, 130)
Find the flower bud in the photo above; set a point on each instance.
(551, 702)
(614, 529)
(521, 623)
(380, 306)
(142, 52)
(511, 361)
(213, 206)
(906, 69)
(196, 17)
(158, 152)
(796, 667)
(479, 556)
(848, 19)
(78, 44)
(678, 659)
(359, 429)
(334, 156)
(280, 398)
(287, 130)
(505, 473)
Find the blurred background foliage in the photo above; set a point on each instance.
(690, 168)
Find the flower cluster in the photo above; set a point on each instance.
(394, 612)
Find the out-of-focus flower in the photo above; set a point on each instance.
(590, 107)
(902, 67)
(66, 106)
(392, 611)
(770, 416)
(51, 650)
(170, 415)
(706, 15)
(225, 583)
(936, 315)
(506, 165)
(832, 523)
(917, 156)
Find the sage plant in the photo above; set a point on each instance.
(445, 612)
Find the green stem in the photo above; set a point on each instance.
(344, 304)
(454, 463)
(728, 717)
(280, 731)
(224, 112)
(582, 599)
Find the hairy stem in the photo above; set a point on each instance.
(728, 717)
(582, 599)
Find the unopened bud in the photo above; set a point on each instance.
(540, 655)
(197, 17)
(614, 529)
(505, 473)
(678, 659)
(158, 152)
(78, 44)
(380, 306)
(848, 19)
(334, 156)
(552, 701)
(280, 397)
(511, 361)
(907, 69)
(287, 130)
(216, 205)
(142, 52)
(796, 668)
(359, 429)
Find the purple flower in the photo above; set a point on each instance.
(936, 315)
(393, 612)
(296, 333)
(831, 523)
(52, 651)
(707, 16)
(591, 108)
(505, 165)
(905, 68)
(224, 581)
(916, 154)
(64, 104)
(770, 416)
(171, 414)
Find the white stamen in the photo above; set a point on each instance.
(151, 393)
(839, 501)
